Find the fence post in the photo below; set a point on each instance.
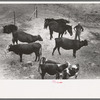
(36, 12)
(14, 18)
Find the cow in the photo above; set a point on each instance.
(20, 35)
(51, 67)
(9, 28)
(69, 44)
(71, 70)
(21, 49)
(25, 37)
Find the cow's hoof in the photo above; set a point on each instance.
(74, 56)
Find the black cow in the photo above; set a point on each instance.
(21, 49)
(51, 68)
(25, 37)
(71, 70)
(68, 44)
(9, 28)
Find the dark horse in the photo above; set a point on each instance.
(60, 21)
(57, 27)
(20, 35)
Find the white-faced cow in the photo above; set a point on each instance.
(21, 49)
(71, 70)
(68, 44)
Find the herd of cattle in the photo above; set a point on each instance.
(62, 71)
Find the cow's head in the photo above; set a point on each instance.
(85, 43)
(40, 38)
(42, 60)
(10, 47)
(5, 29)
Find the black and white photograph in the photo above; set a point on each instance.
(50, 49)
(49, 41)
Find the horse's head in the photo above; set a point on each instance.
(69, 29)
(46, 23)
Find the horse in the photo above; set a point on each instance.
(60, 21)
(56, 27)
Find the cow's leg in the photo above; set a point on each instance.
(76, 36)
(74, 53)
(39, 57)
(54, 50)
(20, 57)
(59, 50)
(76, 75)
(51, 32)
(43, 74)
(13, 41)
(36, 56)
(57, 75)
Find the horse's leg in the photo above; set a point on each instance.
(74, 53)
(54, 50)
(59, 35)
(51, 32)
(59, 50)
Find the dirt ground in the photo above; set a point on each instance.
(87, 57)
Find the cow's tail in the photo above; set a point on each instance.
(39, 68)
(40, 52)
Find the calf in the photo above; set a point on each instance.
(51, 68)
(25, 37)
(71, 70)
(68, 44)
(21, 49)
